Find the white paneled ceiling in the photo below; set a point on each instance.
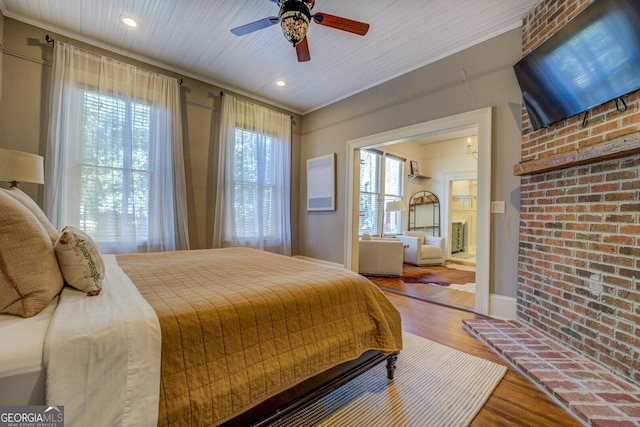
(192, 37)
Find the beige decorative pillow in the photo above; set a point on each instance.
(80, 260)
(29, 274)
(30, 204)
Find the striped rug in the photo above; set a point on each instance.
(434, 385)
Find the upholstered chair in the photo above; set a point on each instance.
(421, 249)
(380, 257)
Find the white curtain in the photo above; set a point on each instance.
(254, 178)
(114, 164)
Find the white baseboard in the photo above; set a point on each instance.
(502, 307)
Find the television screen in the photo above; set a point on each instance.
(593, 59)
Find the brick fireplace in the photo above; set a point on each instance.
(579, 255)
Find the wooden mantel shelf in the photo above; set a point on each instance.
(619, 147)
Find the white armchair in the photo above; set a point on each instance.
(380, 257)
(421, 249)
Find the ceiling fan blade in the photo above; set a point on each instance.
(254, 26)
(302, 50)
(344, 24)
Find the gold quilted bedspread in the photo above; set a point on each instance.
(241, 325)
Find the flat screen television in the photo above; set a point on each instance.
(593, 59)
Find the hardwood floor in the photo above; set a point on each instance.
(426, 291)
(516, 401)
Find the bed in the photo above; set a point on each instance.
(22, 377)
(202, 337)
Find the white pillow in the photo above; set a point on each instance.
(366, 236)
(80, 260)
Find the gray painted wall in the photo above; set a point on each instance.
(478, 77)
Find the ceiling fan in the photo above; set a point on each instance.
(294, 18)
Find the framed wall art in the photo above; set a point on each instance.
(414, 168)
(321, 183)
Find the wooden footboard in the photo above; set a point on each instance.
(312, 389)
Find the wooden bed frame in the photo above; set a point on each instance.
(312, 389)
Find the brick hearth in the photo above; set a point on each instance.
(584, 387)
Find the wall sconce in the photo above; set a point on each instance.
(470, 151)
(18, 166)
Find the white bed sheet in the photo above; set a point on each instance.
(22, 341)
(21, 364)
(22, 376)
(102, 355)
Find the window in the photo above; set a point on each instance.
(381, 181)
(255, 192)
(114, 168)
(253, 204)
(115, 165)
(370, 170)
(393, 190)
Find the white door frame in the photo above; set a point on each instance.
(480, 119)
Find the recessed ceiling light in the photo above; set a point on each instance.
(281, 83)
(130, 22)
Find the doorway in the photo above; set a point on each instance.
(478, 119)
(463, 219)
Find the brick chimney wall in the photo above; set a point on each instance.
(579, 255)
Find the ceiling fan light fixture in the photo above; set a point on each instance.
(294, 20)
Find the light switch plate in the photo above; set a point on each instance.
(498, 206)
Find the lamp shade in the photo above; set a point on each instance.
(18, 166)
(394, 206)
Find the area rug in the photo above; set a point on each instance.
(439, 275)
(463, 255)
(467, 287)
(434, 385)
